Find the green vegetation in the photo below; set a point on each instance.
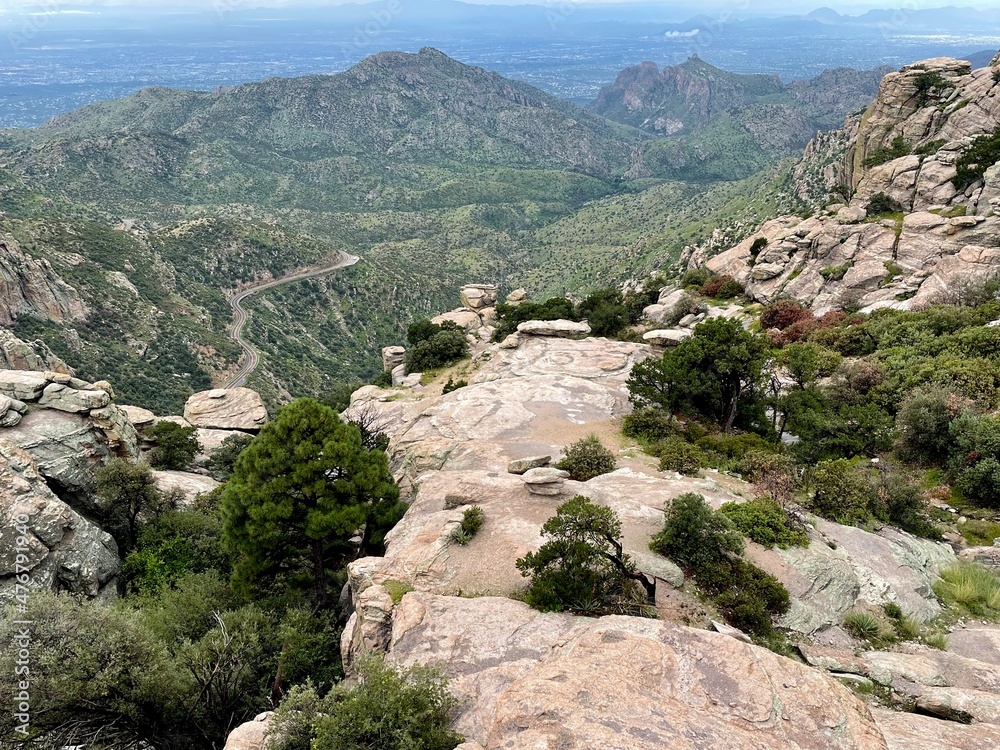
(677, 454)
(970, 589)
(587, 458)
(708, 547)
(977, 158)
(223, 459)
(897, 149)
(864, 626)
(175, 445)
(581, 567)
(979, 533)
(126, 494)
(472, 521)
(764, 521)
(298, 493)
(390, 708)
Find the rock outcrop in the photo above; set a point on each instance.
(16, 354)
(227, 409)
(912, 230)
(30, 286)
(68, 426)
(530, 680)
(62, 550)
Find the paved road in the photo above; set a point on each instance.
(251, 359)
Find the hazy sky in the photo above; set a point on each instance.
(741, 6)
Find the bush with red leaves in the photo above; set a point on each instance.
(783, 314)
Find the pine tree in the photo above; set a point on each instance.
(299, 493)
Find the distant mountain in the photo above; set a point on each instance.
(729, 125)
(981, 59)
(389, 132)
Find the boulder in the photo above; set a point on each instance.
(22, 385)
(227, 409)
(392, 357)
(521, 465)
(138, 416)
(186, 485)
(478, 296)
(565, 329)
(466, 319)
(517, 297)
(906, 731)
(64, 398)
(645, 684)
(16, 354)
(252, 735)
(65, 551)
(545, 476)
(667, 337)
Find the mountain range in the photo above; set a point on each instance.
(435, 173)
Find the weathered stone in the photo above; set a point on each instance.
(546, 475)
(392, 357)
(138, 416)
(851, 215)
(478, 296)
(517, 297)
(185, 485)
(64, 398)
(31, 287)
(645, 684)
(22, 385)
(227, 409)
(521, 465)
(905, 731)
(566, 329)
(466, 319)
(251, 735)
(65, 551)
(16, 354)
(668, 337)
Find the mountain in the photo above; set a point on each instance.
(911, 216)
(727, 125)
(982, 58)
(151, 210)
(388, 133)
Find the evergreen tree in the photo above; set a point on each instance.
(298, 493)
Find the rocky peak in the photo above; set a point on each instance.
(911, 229)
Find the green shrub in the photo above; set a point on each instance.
(897, 149)
(695, 277)
(864, 626)
(835, 273)
(774, 474)
(509, 317)
(605, 312)
(881, 204)
(843, 492)
(581, 567)
(677, 454)
(439, 350)
(980, 156)
(128, 497)
(923, 423)
(756, 248)
(766, 522)
(472, 521)
(451, 386)
(694, 536)
(649, 425)
(971, 589)
(388, 710)
(397, 590)
(175, 445)
(223, 458)
(735, 445)
(707, 546)
(587, 458)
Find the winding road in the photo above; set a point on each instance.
(251, 359)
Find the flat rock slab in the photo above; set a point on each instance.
(667, 337)
(226, 409)
(904, 731)
(72, 400)
(22, 385)
(548, 475)
(521, 465)
(529, 680)
(564, 329)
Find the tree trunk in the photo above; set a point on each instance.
(319, 576)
